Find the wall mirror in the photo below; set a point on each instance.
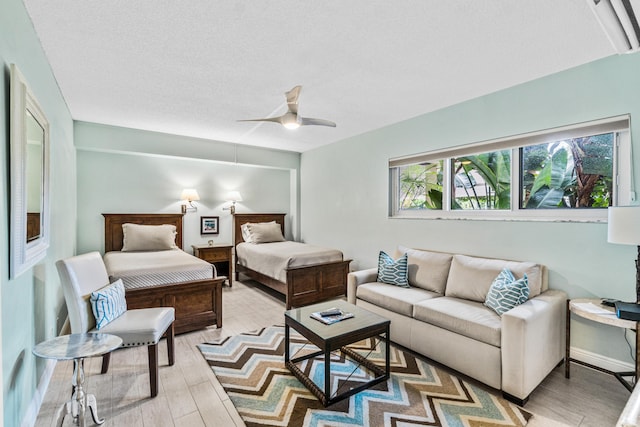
(29, 177)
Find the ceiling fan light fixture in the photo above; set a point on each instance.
(290, 121)
(291, 125)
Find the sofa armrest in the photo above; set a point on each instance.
(358, 278)
(533, 342)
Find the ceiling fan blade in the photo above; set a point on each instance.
(306, 121)
(267, 119)
(292, 99)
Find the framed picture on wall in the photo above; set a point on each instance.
(209, 224)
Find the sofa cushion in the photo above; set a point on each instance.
(393, 272)
(506, 292)
(471, 277)
(392, 297)
(427, 270)
(468, 318)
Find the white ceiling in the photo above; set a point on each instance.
(195, 67)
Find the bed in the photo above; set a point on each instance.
(304, 279)
(195, 293)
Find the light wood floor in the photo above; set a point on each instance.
(190, 395)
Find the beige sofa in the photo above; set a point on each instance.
(442, 316)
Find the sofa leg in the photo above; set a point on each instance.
(516, 400)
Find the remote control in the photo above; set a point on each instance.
(332, 312)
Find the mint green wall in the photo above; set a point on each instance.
(349, 207)
(128, 170)
(32, 302)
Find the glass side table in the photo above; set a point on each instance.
(77, 347)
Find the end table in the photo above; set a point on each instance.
(77, 347)
(218, 255)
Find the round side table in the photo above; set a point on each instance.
(77, 347)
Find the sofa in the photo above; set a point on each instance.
(442, 315)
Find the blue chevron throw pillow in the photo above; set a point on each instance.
(108, 303)
(393, 272)
(506, 292)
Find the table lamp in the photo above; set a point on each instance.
(624, 228)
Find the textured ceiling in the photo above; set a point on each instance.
(195, 67)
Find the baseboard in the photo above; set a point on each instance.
(30, 417)
(601, 361)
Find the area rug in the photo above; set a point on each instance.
(251, 369)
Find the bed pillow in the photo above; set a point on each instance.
(246, 234)
(393, 272)
(507, 292)
(108, 303)
(138, 237)
(265, 232)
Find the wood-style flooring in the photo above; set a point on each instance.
(190, 396)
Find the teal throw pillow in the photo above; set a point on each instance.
(108, 303)
(507, 292)
(393, 272)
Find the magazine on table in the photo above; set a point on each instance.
(331, 315)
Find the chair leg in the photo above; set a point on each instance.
(153, 369)
(105, 363)
(170, 346)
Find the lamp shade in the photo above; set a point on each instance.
(624, 225)
(234, 196)
(189, 194)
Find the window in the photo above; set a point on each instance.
(421, 186)
(573, 173)
(482, 181)
(569, 173)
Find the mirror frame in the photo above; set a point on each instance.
(23, 254)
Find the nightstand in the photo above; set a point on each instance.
(218, 255)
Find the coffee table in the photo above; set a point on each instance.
(329, 338)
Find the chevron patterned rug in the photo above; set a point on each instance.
(251, 369)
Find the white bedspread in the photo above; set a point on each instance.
(148, 269)
(273, 259)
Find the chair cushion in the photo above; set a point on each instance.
(427, 270)
(393, 272)
(471, 277)
(391, 297)
(142, 326)
(506, 292)
(464, 317)
(108, 303)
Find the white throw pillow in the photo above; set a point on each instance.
(246, 234)
(138, 237)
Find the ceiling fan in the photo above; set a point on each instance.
(291, 119)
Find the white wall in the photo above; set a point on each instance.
(119, 183)
(348, 209)
(124, 170)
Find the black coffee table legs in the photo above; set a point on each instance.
(325, 396)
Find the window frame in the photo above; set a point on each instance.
(623, 186)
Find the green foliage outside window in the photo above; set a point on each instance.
(482, 181)
(574, 173)
(421, 186)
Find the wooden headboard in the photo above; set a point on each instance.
(113, 226)
(239, 219)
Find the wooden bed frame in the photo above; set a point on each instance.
(198, 304)
(305, 285)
